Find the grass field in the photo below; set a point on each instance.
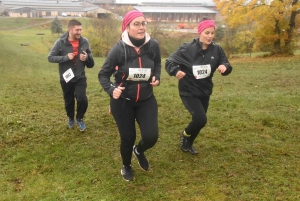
(249, 149)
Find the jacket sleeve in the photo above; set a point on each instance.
(225, 62)
(179, 60)
(55, 54)
(171, 65)
(108, 69)
(89, 63)
(157, 61)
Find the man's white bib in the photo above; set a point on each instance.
(68, 75)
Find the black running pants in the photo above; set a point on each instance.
(197, 107)
(126, 113)
(75, 90)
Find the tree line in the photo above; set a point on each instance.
(264, 25)
(248, 26)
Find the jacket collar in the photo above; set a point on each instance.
(126, 39)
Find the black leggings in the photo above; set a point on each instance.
(197, 107)
(126, 113)
(72, 90)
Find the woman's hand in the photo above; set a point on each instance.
(221, 69)
(154, 82)
(180, 74)
(117, 92)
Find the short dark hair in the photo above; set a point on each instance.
(73, 23)
(205, 18)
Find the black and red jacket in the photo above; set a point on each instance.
(123, 56)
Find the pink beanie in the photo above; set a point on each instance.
(205, 24)
(131, 15)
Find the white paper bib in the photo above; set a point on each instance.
(68, 75)
(201, 71)
(139, 74)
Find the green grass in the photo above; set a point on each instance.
(249, 149)
(11, 23)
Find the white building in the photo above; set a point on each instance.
(43, 8)
(168, 10)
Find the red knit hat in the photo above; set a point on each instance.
(131, 15)
(205, 24)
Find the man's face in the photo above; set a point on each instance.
(75, 32)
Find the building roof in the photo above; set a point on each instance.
(21, 8)
(50, 5)
(164, 2)
(35, 3)
(148, 9)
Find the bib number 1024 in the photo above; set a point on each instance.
(201, 71)
(139, 75)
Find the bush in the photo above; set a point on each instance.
(103, 34)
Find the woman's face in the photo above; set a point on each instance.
(137, 28)
(207, 36)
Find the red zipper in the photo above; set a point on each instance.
(121, 84)
(139, 85)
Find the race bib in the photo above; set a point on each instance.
(139, 74)
(68, 75)
(201, 71)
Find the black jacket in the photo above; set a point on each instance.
(189, 55)
(148, 57)
(59, 54)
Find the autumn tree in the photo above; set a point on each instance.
(56, 26)
(274, 20)
(244, 41)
